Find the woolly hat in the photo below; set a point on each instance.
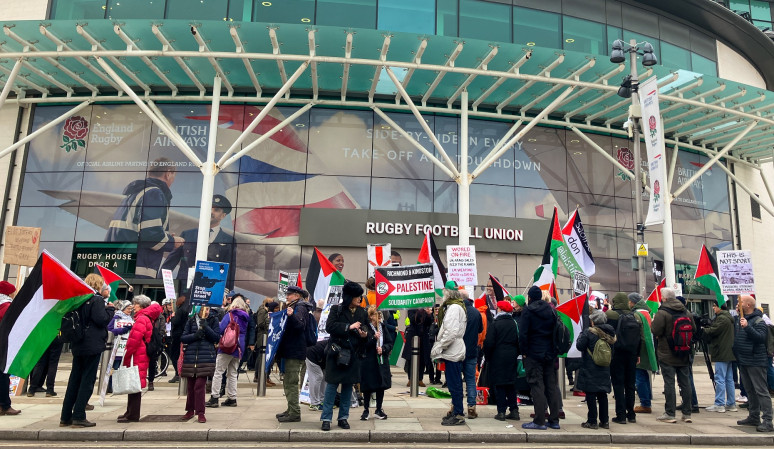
(6, 288)
(505, 306)
(350, 291)
(597, 317)
(520, 300)
(272, 305)
(450, 285)
(634, 297)
(123, 304)
(535, 293)
(295, 289)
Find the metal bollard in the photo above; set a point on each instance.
(182, 386)
(562, 379)
(261, 369)
(101, 370)
(415, 366)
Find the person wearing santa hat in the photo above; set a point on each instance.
(7, 291)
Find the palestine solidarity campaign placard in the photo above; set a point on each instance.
(405, 287)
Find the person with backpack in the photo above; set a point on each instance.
(155, 346)
(87, 334)
(146, 312)
(720, 341)
(596, 345)
(751, 346)
(501, 349)
(628, 333)
(233, 329)
(674, 328)
(292, 349)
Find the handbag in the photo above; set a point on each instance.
(343, 355)
(127, 380)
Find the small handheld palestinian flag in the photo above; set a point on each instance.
(654, 299)
(707, 275)
(575, 316)
(34, 317)
(429, 254)
(500, 292)
(110, 279)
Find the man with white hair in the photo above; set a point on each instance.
(671, 319)
(751, 354)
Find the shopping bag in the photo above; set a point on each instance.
(127, 380)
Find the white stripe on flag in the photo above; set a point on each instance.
(26, 322)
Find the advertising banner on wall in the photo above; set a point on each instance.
(736, 272)
(654, 142)
(405, 287)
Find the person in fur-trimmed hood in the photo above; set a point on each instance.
(593, 379)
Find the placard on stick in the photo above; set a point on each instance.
(21, 246)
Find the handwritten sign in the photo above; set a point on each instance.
(21, 245)
(736, 272)
(461, 261)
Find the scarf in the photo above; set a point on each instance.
(445, 305)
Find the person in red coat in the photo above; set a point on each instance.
(145, 314)
(7, 292)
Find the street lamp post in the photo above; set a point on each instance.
(629, 89)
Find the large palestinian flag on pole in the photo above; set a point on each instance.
(110, 279)
(429, 254)
(34, 317)
(321, 275)
(707, 275)
(577, 245)
(575, 316)
(545, 275)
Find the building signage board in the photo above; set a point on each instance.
(736, 272)
(21, 246)
(119, 258)
(461, 263)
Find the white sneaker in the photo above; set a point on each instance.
(731, 408)
(741, 399)
(716, 408)
(687, 419)
(666, 418)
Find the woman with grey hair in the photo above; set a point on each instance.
(229, 362)
(120, 326)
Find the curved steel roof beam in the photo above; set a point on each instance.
(500, 80)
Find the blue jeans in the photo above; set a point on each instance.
(469, 369)
(724, 384)
(454, 382)
(642, 382)
(330, 398)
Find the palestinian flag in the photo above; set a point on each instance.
(321, 275)
(110, 279)
(575, 315)
(499, 291)
(429, 254)
(647, 333)
(577, 245)
(545, 275)
(654, 299)
(34, 317)
(707, 275)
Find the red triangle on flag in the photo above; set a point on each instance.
(706, 264)
(325, 265)
(59, 282)
(108, 276)
(381, 283)
(299, 284)
(574, 307)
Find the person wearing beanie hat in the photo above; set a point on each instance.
(7, 291)
(622, 369)
(593, 379)
(348, 327)
(536, 328)
(120, 326)
(501, 349)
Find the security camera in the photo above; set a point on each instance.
(628, 124)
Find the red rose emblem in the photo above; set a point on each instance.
(625, 158)
(656, 188)
(652, 122)
(74, 132)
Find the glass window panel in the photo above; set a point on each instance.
(703, 65)
(539, 203)
(602, 241)
(623, 154)
(594, 210)
(104, 188)
(485, 20)
(584, 36)
(261, 190)
(674, 32)
(502, 266)
(405, 195)
(411, 16)
(445, 197)
(285, 11)
(639, 20)
(526, 264)
(50, 151)
(704, 45)
(687, 165)
(269, 222)
(613, 13)
(58, 223)
(585, 9)
(284, 153)
(201, 10)
(605, 279)
(347, 13)
(540, 28)
(446, 18)
(78, 9)
(394, 156)
(51, 189)
(483, 136)
(340, 142)
(118, 138)
(261, 263)
(540, 159)
(356, 189)
(714, 188)
(625, 241)
(624, 217)
(588, 171)
(179, 219)
(543, 5)
(497, 201)
(136, 9)
(240, 10)
(717, 225)
(447, 131)
(739, 5)
(61, 250)
(674, 56)
(760, 10)
(627, 278)
(688, 221)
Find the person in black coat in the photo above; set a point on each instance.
(201, 333)
(420, 322)
(178, 323)
(501, 348)
(96, 314)
(375, 374)
(348, 327)
(593, 379)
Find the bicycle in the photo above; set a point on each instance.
(162, 363)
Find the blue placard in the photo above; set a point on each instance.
(277, 321)
(209, 283)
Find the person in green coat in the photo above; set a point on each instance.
(720, 336)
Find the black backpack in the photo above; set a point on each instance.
(72, 329)
(156, 343)
(561, 336)
(628, 332)
(310, 330)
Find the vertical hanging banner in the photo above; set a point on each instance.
(461, 261)
(654, 141)
(378, 256)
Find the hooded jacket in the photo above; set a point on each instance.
(662, 328)
(139, 336)
(536, 331)
(593, 378)
(449, 344)
(620, 307)
(200, 339)
(721, 338)
(750, 341)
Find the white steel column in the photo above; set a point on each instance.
(669, 241)
(208, 183)
(463, 196)
(9, 81)
(44, 128)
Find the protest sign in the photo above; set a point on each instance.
(277, 321)
(461, 261)
(334, 297)
(209, 283)
(405, 287)
(580, 284)
(378, 256)
(285, 279)
(21, 246)
(169, 283)
(736, 272)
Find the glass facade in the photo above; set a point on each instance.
(346, 159)
(563, 24)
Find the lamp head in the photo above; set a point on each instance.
(617, 55)
(648, 58)
(625, 91)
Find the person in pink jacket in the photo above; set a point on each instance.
(145, 314)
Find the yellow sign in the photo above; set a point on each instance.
(642, 250)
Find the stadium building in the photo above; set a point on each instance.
(345, 122)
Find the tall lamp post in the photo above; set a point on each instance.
(629, 89)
